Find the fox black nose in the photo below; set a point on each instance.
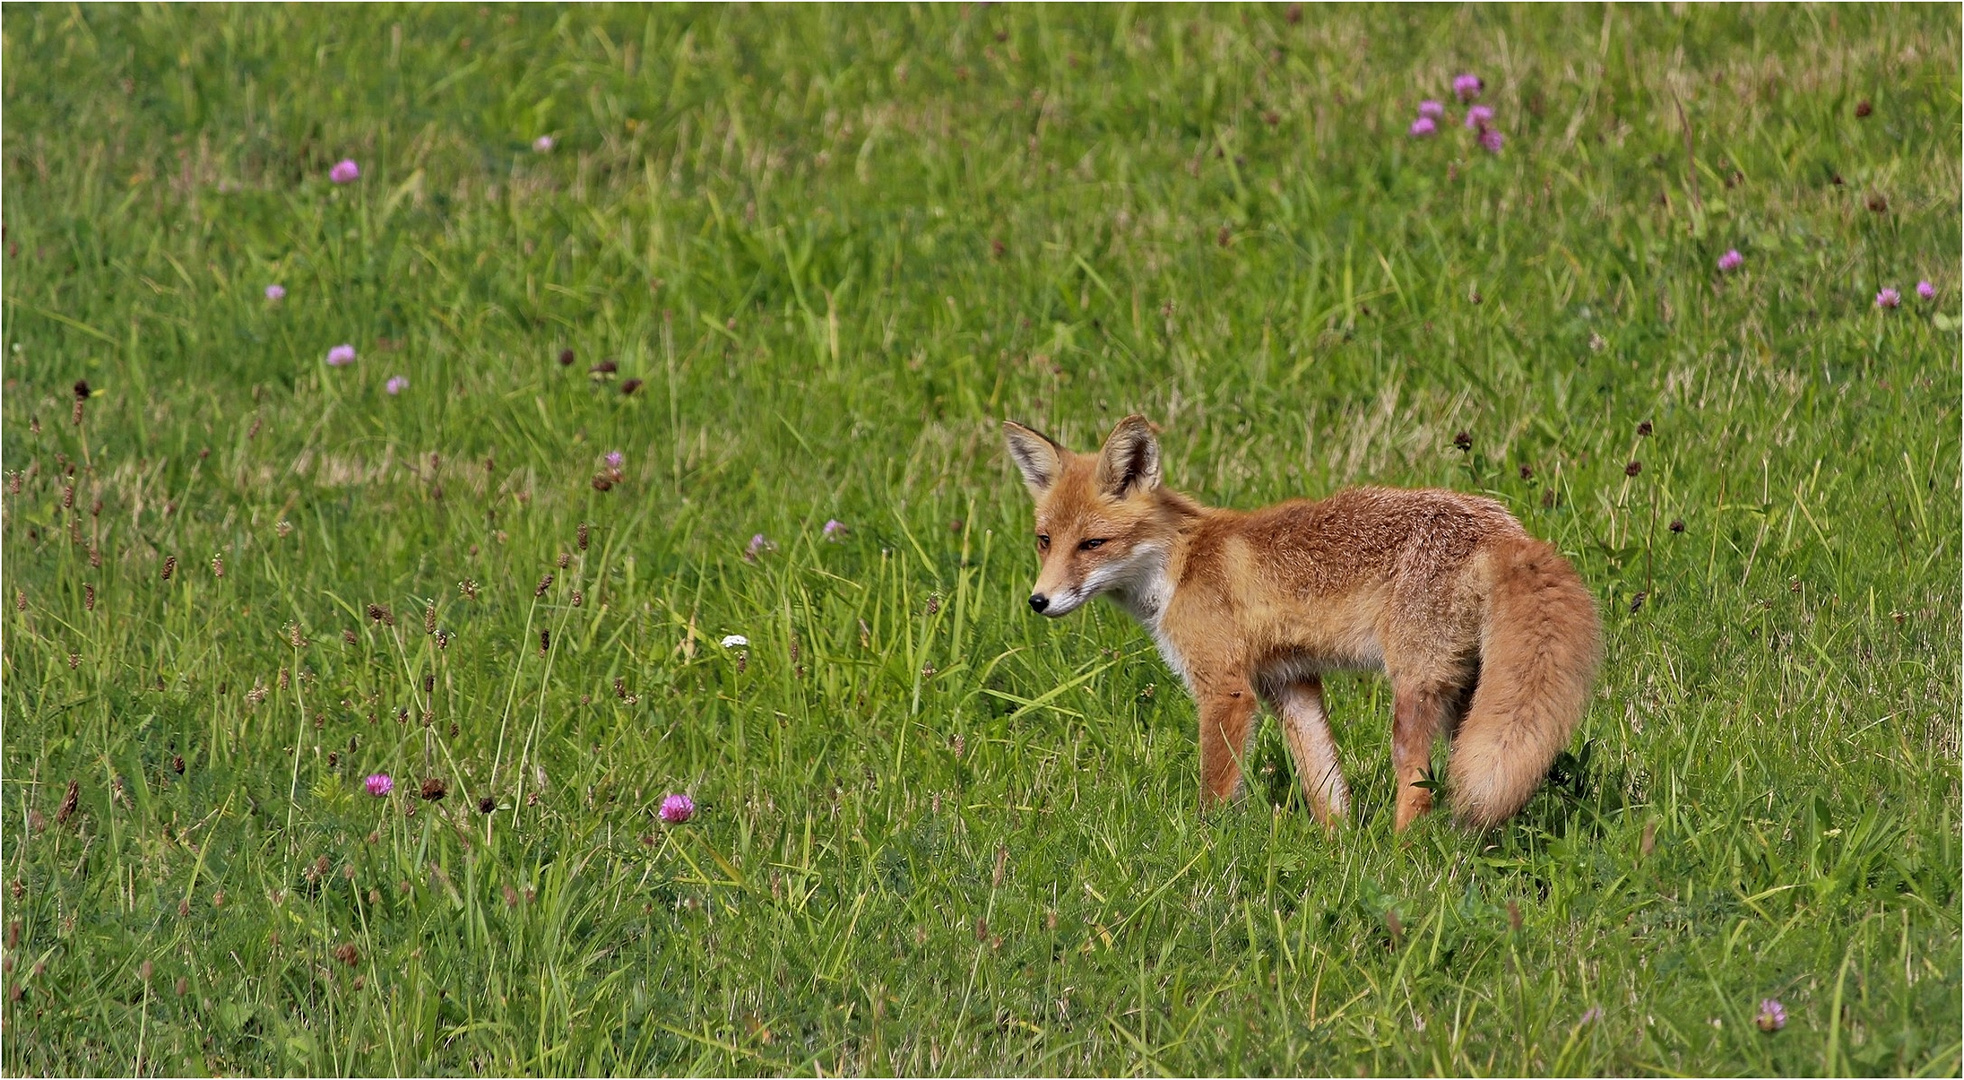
(1039, 602)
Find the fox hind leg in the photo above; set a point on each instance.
(1421, 712)
(1306, 728)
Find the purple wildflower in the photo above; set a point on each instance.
(1491, 140)
(542, 144)
(1731, 261)
(1431, 108)
(380, 784)
(1772, 1015)
(275, 293)
(758, 545)
(1594, 1014)
(1888, 298)
(396, 384)
(340, 355)
(1479, 116)
(1926, 290)
(834, 529)
(344, 171)
(677, 809)
(614, 460)
(1468, 87)
(1422, 127)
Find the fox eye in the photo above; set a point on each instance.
(1089, 544)
(1043, 542)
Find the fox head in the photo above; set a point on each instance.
(1102, 519)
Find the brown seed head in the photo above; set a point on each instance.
(434, 789)
(544, 584)
(170, 566)
(630, 386)
(1463, 441)
(348, 954)
(1677, 525)
(486, 805)
(566, 358)
(1633, 468)
(68, 803)
(1513, 916)
(1877, 203)
(1863, 108)
(1644, 429)
(81, 389)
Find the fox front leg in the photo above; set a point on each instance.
(1226, 708)
(1306, 728)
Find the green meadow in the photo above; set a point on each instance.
(793, 265)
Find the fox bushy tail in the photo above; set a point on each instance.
(1540, 644)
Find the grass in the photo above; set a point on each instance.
(935, 833)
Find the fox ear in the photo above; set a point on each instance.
(1130, 461)
(1039, 459)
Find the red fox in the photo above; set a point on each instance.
(1486, 633)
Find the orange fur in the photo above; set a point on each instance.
(1482, 629)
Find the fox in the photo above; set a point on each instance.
(1487, 635)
